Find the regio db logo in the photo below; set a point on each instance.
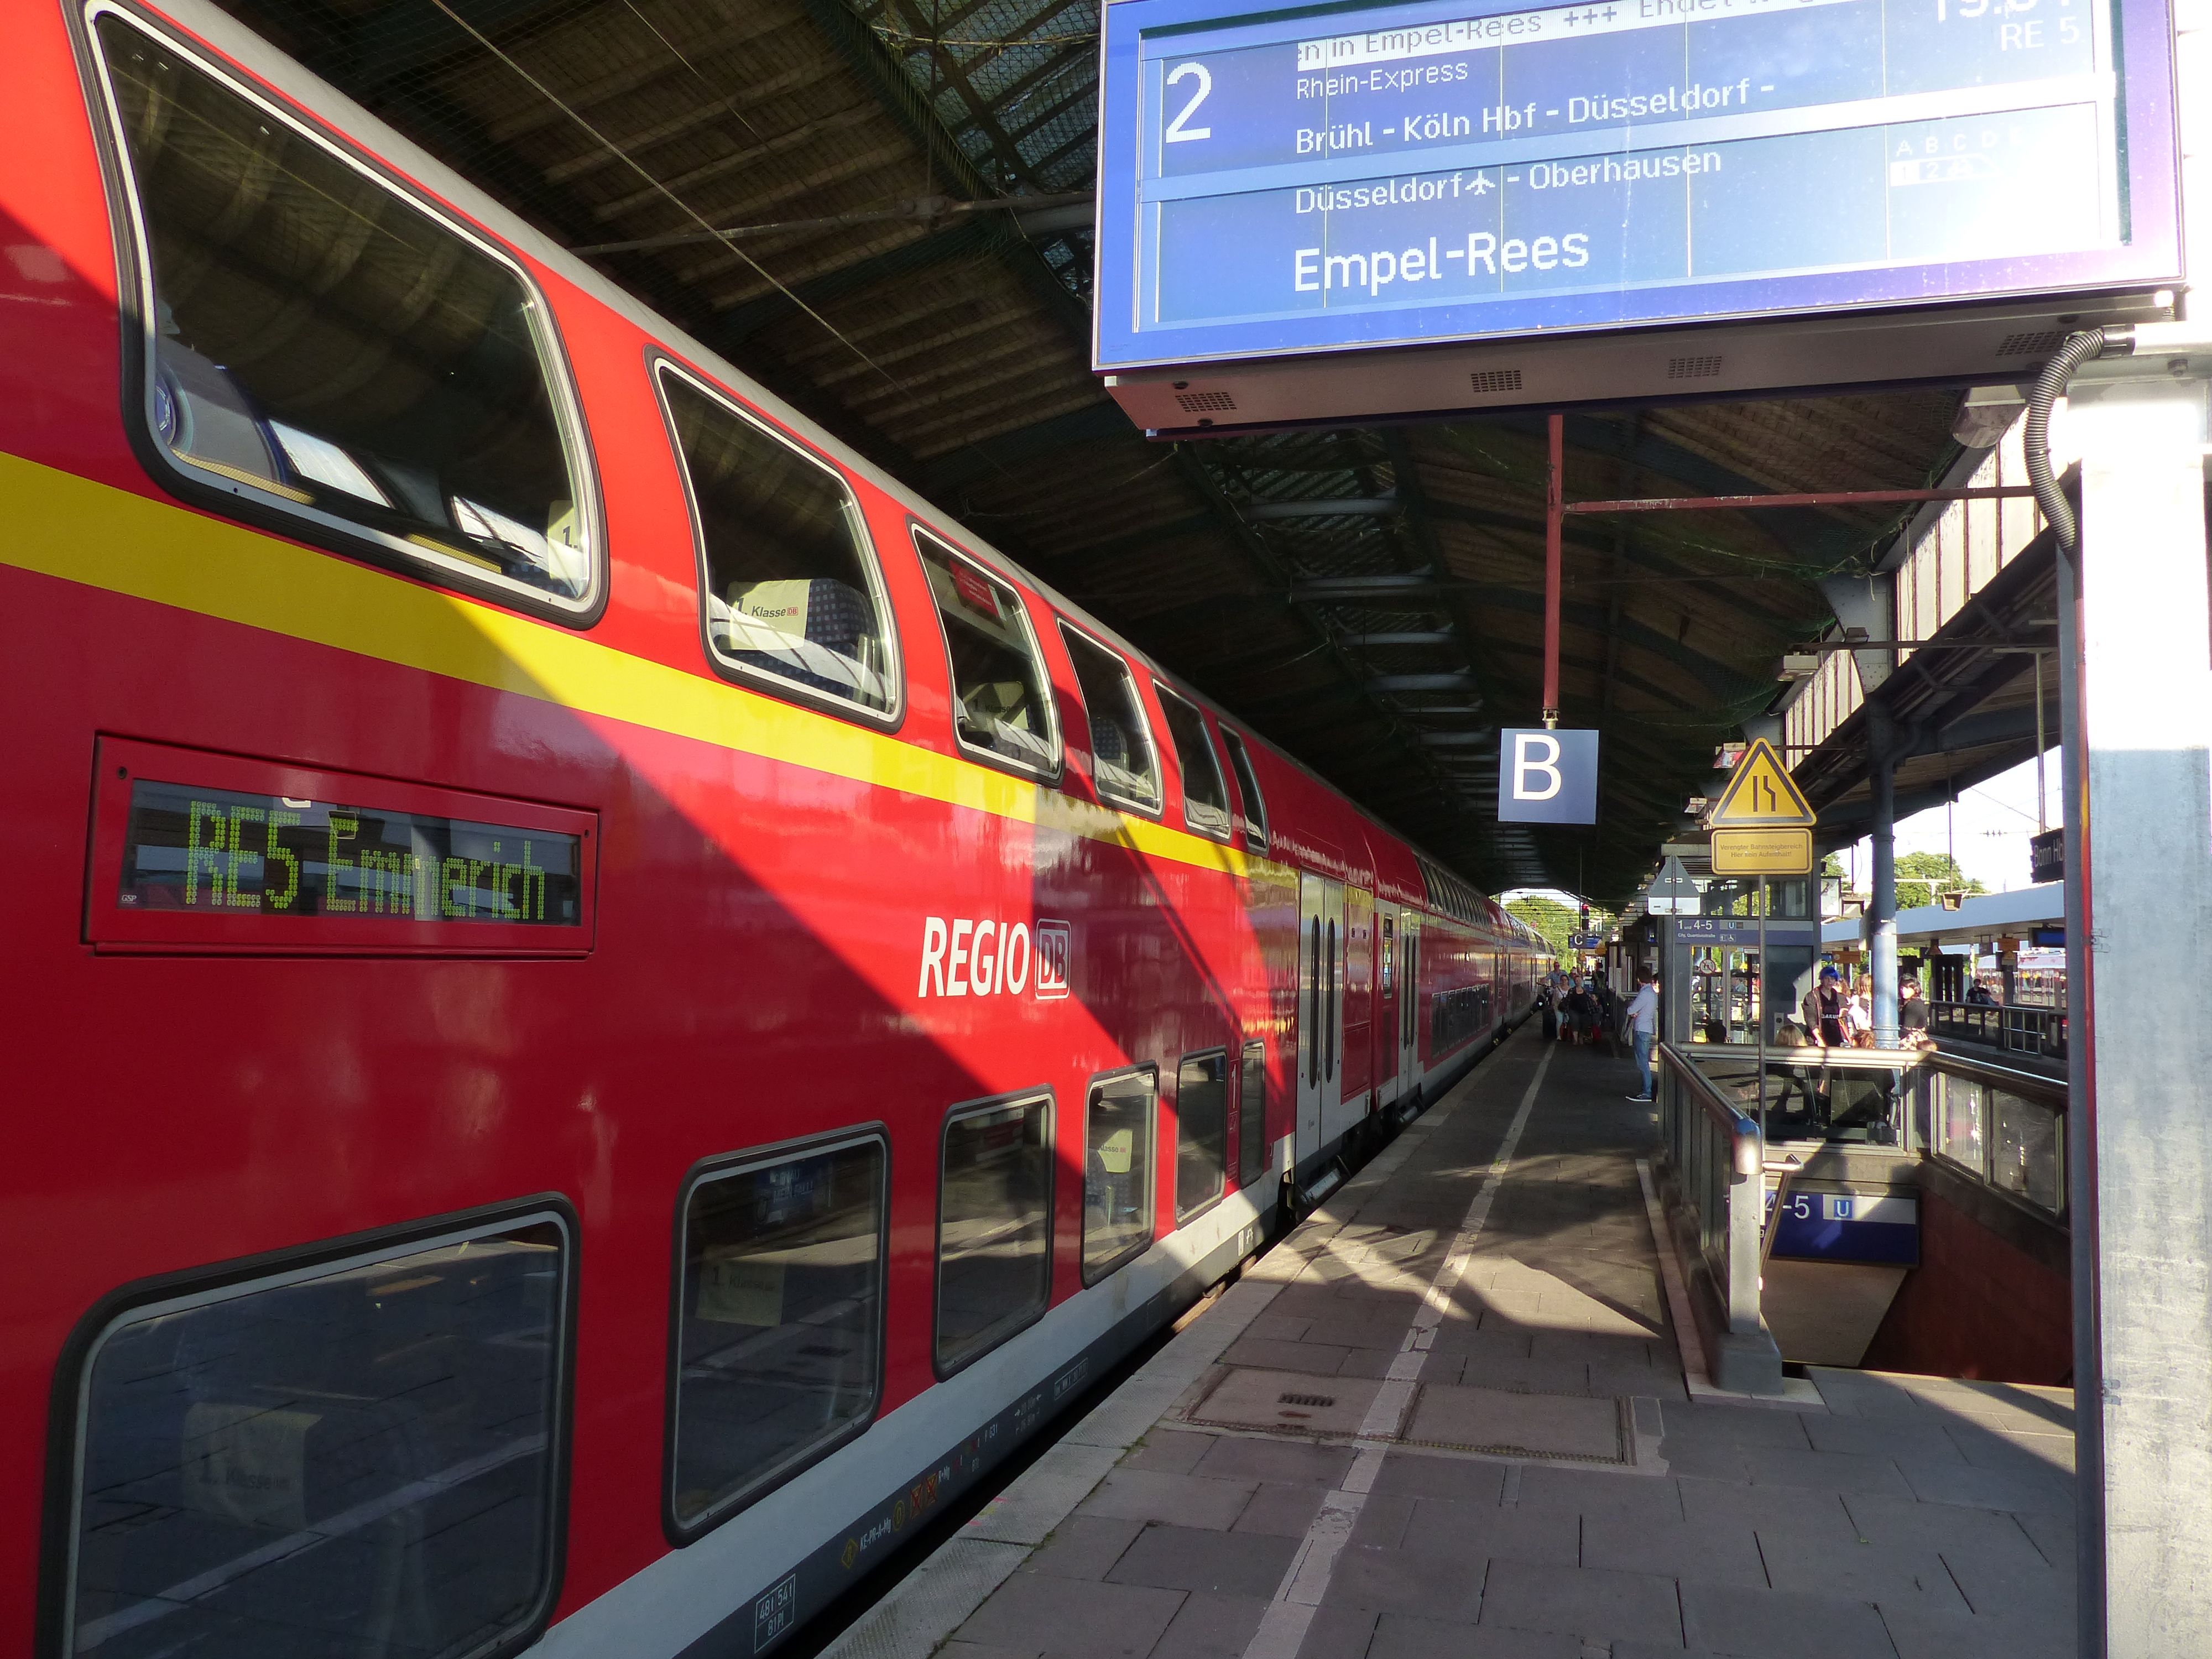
(983, 957)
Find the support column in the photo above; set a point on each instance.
(2137, 679)
(1882, 902)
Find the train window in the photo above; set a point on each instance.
(791, 586)
(779, 1350)
(1202, 1132)
(1117, 1171)
(993, 1226)
(1252, 1116)
(1001, 709)
(1204, 798)
(359, 1455)
(1256, 807)
(323, 347)
(1122, 763)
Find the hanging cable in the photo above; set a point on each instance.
(674, 200)
(2035, 441)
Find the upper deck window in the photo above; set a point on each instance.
(1001, 707)
(792, 590)
(325, 353)
(1122, 763)
(1205, 797)
(1256, 809)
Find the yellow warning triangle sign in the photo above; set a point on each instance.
(1761, 794)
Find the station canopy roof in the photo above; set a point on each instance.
(901, 189)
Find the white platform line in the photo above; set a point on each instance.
(1305, 1581)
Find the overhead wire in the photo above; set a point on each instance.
(676, 53)
(677, 202)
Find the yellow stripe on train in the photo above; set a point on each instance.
(82, 531)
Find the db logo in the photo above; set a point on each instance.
(964, 957)
(1054, 948)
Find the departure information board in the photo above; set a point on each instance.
(1277, 181)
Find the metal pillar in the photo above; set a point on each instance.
(1674, 977)
(1555, 495)
(1881, 902)
(2136, 684)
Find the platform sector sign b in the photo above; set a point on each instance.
(1546, 777)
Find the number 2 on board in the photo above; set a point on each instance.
(1177, 132)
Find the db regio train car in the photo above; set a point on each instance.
(607, 1007)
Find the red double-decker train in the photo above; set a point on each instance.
(607, 1006)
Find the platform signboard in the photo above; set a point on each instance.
(1785, 852)
(1671, 891)
(1547, 775)
(1278, 181)
(1826, 1225)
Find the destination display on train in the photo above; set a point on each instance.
(1283, 182)
(216, 851)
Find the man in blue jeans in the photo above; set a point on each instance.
(1640, 1016)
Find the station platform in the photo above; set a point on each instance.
(1448, 1414)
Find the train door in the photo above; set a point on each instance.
(1389, 1077)
(1320, 1011)
(1409, 1001)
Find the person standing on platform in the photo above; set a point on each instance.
(1828, 1012)
(1911, 1011)
(1641, 1017)
(1578, 1013)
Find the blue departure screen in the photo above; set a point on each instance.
(1283, 182)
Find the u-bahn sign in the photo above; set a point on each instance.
(1280, 181)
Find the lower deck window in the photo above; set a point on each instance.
(1252, 1116)
(1202, 1131)
(1456, 1015)
(358, 1457)
(1117, 1171)
(779, 1352)
(994, 1227)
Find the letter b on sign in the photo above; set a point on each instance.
(1547, 777)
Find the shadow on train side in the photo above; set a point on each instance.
(651, 1265)
(361, 1258)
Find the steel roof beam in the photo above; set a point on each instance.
(1371, 508)
(1460, 681)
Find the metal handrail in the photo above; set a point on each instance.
(1742, 1128)
(2016, 1027)
(2028, 1085)
(1871, 1059)
(1715, 1191)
